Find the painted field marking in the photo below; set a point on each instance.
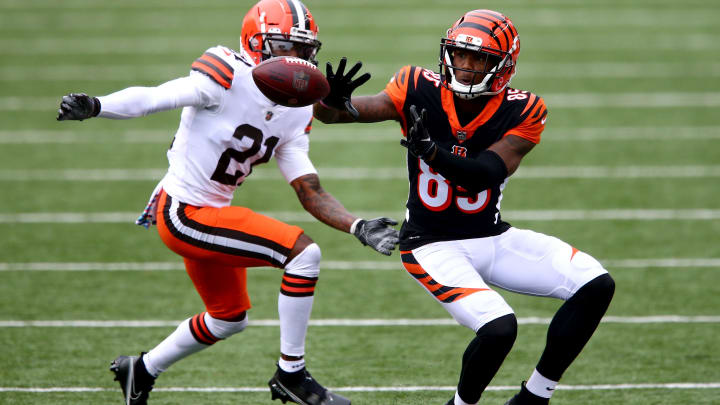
(304, 217)
(655, 319)
(556, 100)
(377, 173)
(346, 135)
(594, 387)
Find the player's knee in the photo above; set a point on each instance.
(223, 329)
(500, 332)
(598, 291)
(306, 263)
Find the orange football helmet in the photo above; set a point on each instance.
(495, 38)
(279, 24)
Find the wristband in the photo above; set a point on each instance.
(354, 225)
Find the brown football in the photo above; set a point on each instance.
(289, 81)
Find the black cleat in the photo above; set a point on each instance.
(300, 387)
(525, 397)
(135, 381)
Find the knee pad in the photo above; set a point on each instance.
(500, 331)
(306, 263)
(600, 289)
(224, 329)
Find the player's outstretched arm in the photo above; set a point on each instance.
(377, 233)
(370, 109)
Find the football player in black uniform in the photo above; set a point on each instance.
(466, 132)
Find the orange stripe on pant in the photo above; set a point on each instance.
(441, 292)
(218, 244)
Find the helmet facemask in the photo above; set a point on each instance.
(492, 67)
(303, 41)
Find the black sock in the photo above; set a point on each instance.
(573, 325)
(484, 355)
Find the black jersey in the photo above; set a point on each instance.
(437, 209)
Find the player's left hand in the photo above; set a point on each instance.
(378, 233)
(342, 85)
(78, 106)
(418, 139)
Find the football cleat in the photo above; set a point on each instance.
(525, 397)
(300, 387)
(135, 382)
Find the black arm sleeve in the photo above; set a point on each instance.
(477, 174)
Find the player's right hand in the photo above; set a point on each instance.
(418, 139)
(78, 106)
(342, 85)
(378, 233)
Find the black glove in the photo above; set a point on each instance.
(378, 234)
(418, 139)
(342, 86)
(78, 106)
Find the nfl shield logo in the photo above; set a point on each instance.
(461, 135)
(301, 80)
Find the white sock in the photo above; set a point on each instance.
(294, 315)
(291, 366)
(540, 386)
(296, 299)
(459, 401)
(177, 346)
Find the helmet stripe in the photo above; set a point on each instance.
(296, 8)
(305, 17)
(476, 26)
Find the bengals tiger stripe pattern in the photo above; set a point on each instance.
(441, 292)
(214, 67)
(200, 331)
(298, 286)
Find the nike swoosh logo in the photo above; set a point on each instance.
(543, 121)
(226, 52)
(550, 389)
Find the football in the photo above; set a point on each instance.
(290, 81)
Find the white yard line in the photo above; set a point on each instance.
(658, 319)
(561, 387)
(163, 72)
(377, 173)
(555, 100)
(304, 217)
(339, 134)
(654, 263)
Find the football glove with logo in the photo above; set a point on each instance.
(78, 106)
(342, 85)
(377, 233)
(418, 139)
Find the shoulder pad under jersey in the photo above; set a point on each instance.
(217, 63)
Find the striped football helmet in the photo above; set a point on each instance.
(279, 24)
(494, 37)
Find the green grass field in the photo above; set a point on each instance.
(628, 170)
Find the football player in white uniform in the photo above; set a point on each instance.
(227, 127)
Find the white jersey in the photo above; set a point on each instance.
(227, 127)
